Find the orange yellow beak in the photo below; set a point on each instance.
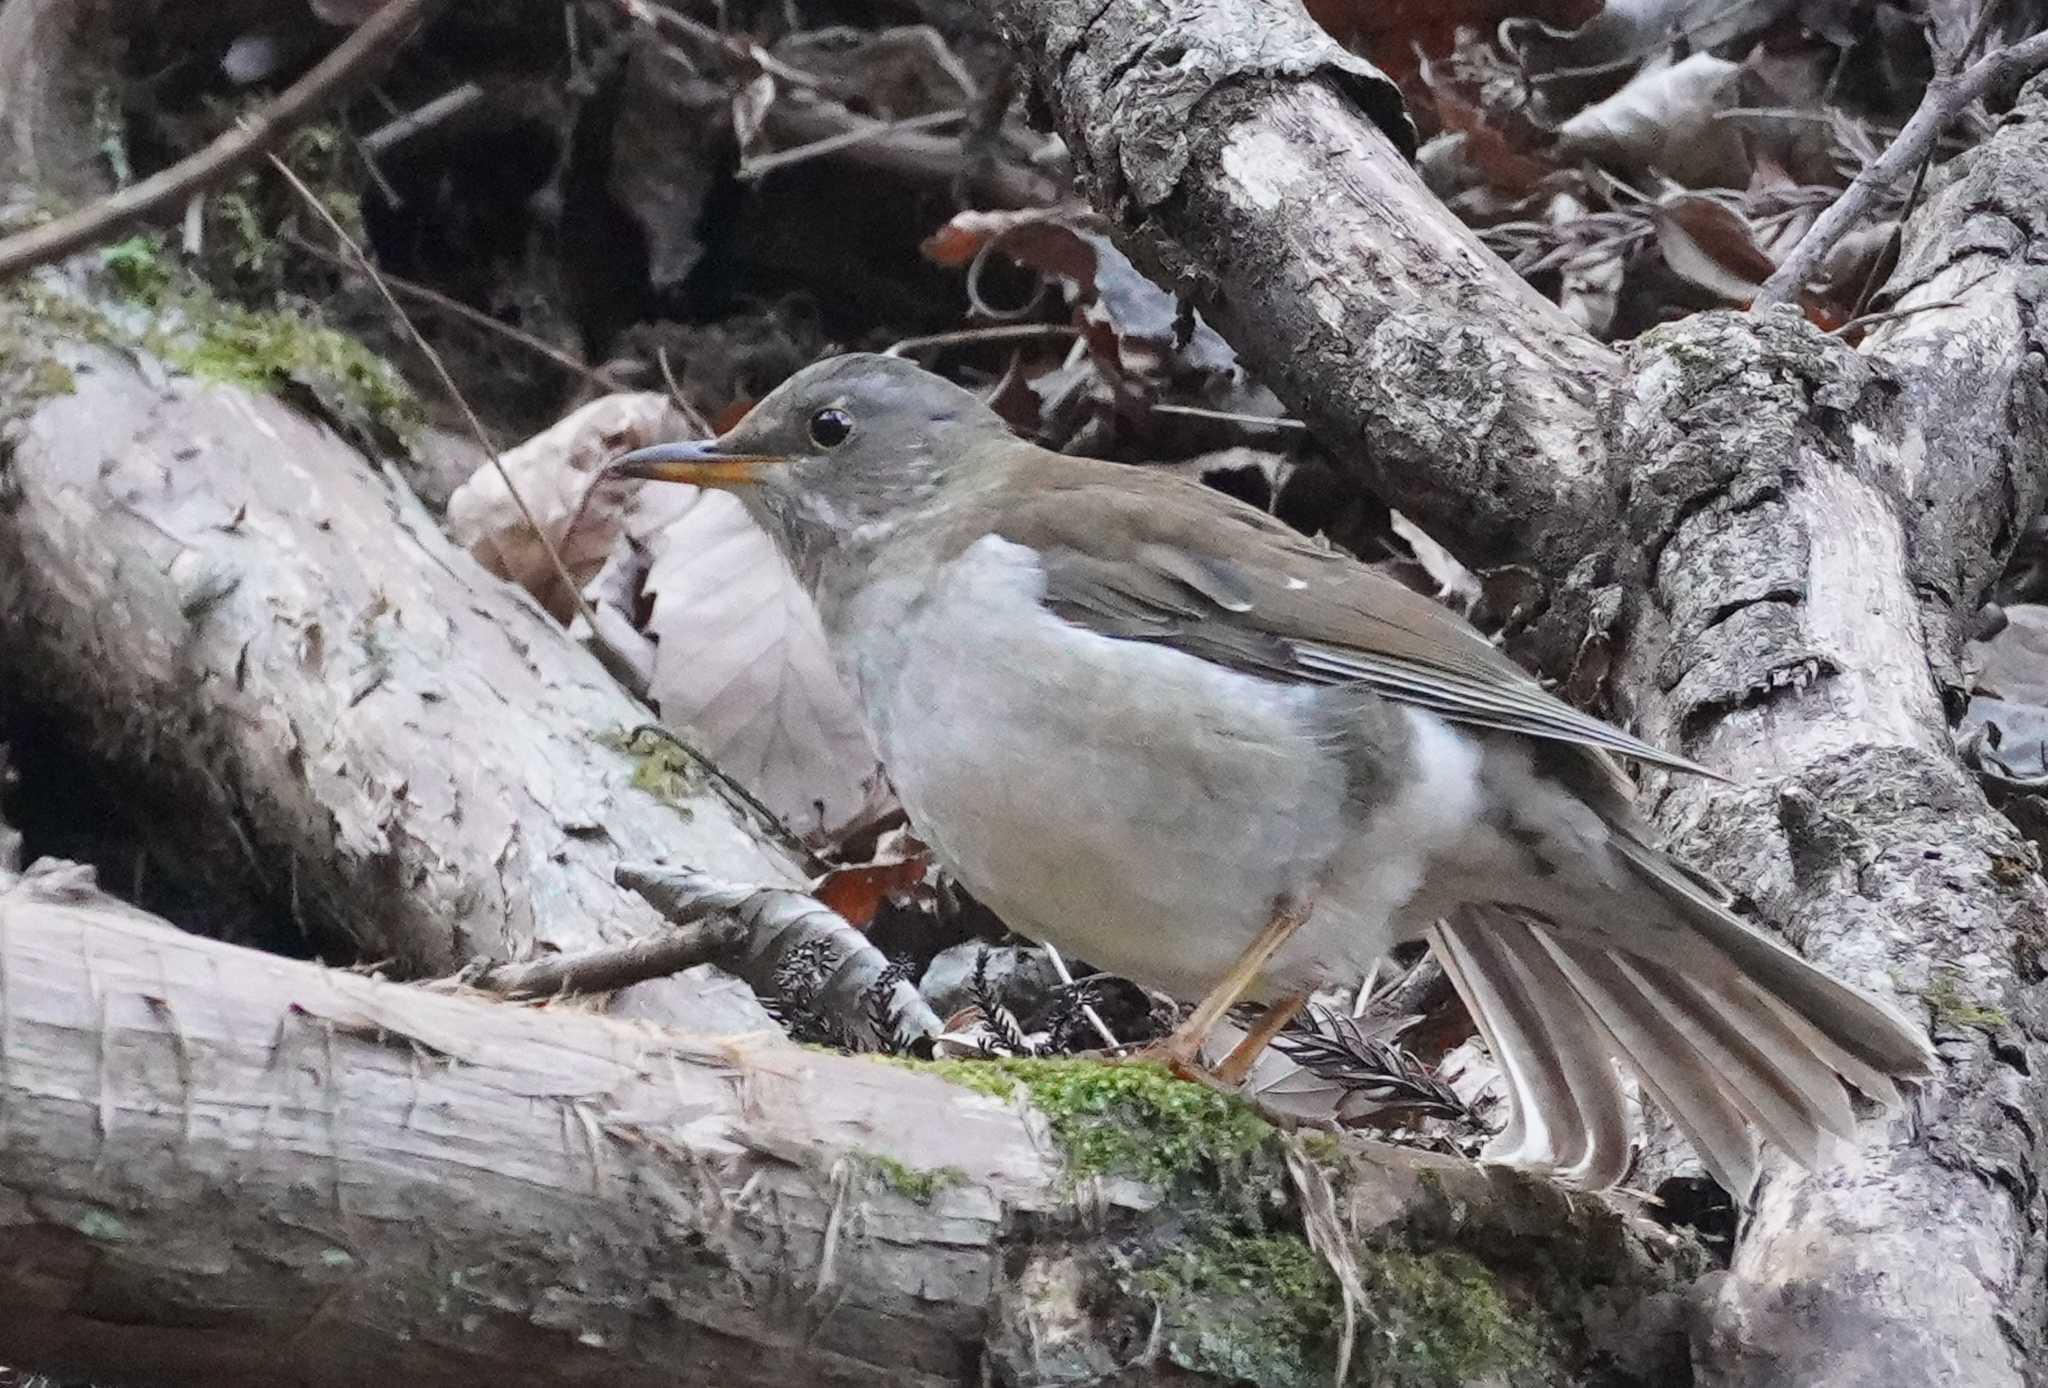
(700, 462)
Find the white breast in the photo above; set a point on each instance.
(1136, 806)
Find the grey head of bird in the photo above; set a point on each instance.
(839, 454)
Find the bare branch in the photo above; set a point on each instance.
(358, 59)
(1948, 95)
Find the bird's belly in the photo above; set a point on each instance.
(1144, 850)
(1133, 805)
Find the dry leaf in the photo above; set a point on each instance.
(1397, 35)
(1665, 121)
(730, 650)
(1135, 330)
(1712, 245)
(741, 662)
(858, 892)
(553, 470)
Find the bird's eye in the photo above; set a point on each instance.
(830, 428)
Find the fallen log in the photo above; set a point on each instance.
(218, 1165)
(312, 699)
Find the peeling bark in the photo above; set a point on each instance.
(220, 1165)
(333, 710)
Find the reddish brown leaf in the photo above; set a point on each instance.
(1504, 162)
(857, 893)
(1712, 245)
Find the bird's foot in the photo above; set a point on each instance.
(1180, 1055)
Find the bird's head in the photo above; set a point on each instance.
(844, 450)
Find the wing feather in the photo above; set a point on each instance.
(1151, 557)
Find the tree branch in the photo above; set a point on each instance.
(1948, 95)
(222, 1166)
(356, 60)
(1247, 161)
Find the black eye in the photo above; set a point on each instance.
(830, 428)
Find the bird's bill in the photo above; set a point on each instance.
(700, 462)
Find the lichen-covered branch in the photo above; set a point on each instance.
(219, 1165)
(1819, 529)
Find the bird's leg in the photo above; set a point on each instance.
(1182, 1051)
(1246, 1052)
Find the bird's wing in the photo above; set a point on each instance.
(1176, 563)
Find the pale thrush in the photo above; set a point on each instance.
(1171, 736)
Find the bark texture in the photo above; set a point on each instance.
(220, 1165)
(341, 717)
(1766, 547)
(1253, 165)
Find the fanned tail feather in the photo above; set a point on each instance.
(1734, 1036)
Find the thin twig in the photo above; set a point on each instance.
(476, 426)
(612, 967)
(1267, 421)
(1948, 95)
(1002, 332)
(1059, 966)
(1871, 320)
(441, 108)
(678, 399)
(860, 134)
(596, 375)
(356, 60)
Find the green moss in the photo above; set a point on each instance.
(29, 374)
(266, 351)
(1263, 1309)
(1944, 997)
(1127, 1120)
(1266, 1309)
(137, 268)
(661, 768)
(921, 1186)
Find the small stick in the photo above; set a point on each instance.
(1950, 93)
(1059, 966)
(596, 375)
(359, 55)
(751, 169)
(613, 967)
(1001, 332)
(1231, 417)
(442, 107)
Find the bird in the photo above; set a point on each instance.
(1164, 732)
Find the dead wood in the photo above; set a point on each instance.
(318, 703)
(356, 61)
(1766, 545)
(217, 1165)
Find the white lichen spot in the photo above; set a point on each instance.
(1265, 166)
(1296, 585)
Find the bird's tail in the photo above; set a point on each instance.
(1733, 1035)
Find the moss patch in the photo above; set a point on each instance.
(922, 1186)
(1128, 1120)
(271, 350)
(661, 768)
(1944, 997)
(1267, 1310)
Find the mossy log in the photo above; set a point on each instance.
(314, 703)
(217, 1165)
